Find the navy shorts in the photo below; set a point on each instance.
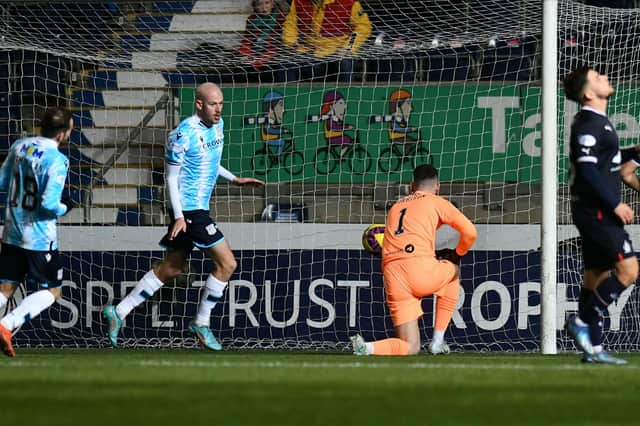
(604, 240)
(20, 265)
(201, 232)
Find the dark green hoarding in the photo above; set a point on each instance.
(471, 132)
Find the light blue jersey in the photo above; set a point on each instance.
(197, 149)
(33, 174)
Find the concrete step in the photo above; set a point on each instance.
(96, 215)
(134, 154)
(117, 135)
(122, 117)
(125, 98)
(129, 176)
(151, 214)
(118, 195)
(151, 61)
(113, 194)
(208, 21)
(189, 41)
(124, 80)
(222, 6)
(163, 42)
(197, 21)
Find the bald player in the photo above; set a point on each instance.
(413, 269)
(193, 155)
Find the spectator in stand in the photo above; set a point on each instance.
(325, 29)
(261, 42)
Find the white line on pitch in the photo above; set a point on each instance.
(355, 365)
(23, 364)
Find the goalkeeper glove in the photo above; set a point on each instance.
(448, 254)
(67, 201)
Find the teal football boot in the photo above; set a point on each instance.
(206, 337)
(115, 323)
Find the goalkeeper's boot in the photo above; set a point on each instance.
(602, 357)
(206, 337)
(580, 334)
(439, 348)
(359, 345)
(115, 323)
(5, 341)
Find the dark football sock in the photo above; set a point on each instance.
(607, 292)
(585, 306)
(595, 330)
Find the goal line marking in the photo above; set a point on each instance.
(358, 364)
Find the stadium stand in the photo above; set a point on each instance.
(110, 103)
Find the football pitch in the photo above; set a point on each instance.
(180, 387)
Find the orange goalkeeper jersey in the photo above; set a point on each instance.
(412, 222)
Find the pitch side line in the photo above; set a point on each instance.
(326, 365)
(356, 365)
(25, 364)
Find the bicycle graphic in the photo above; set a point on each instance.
(355, 156)
(267, 158)
(404, 145)
(397, 154)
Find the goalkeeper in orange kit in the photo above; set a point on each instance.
(413, 269)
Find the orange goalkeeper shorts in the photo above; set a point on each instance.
(407, 281)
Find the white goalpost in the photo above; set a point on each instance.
(549, 236)
(470, 86)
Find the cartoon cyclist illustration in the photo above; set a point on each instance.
(400, 109)
(271, 130)
(334, 108)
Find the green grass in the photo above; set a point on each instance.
(154, 387)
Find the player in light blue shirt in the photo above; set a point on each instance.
(33, 175)
(197, 150)
(193, 154)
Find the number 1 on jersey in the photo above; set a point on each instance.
(400, 230)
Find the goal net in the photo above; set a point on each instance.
(334, 128)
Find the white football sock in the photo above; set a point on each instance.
(438, 337)
(3, 300)
(211, 294)
(369, 347)
(580, 322)
(30, 307)
(145, 288)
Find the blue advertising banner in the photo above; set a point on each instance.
(313, 299)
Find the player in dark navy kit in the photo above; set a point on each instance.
(597, 210)
(193, 154)
(628, 169)
(33, 174)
